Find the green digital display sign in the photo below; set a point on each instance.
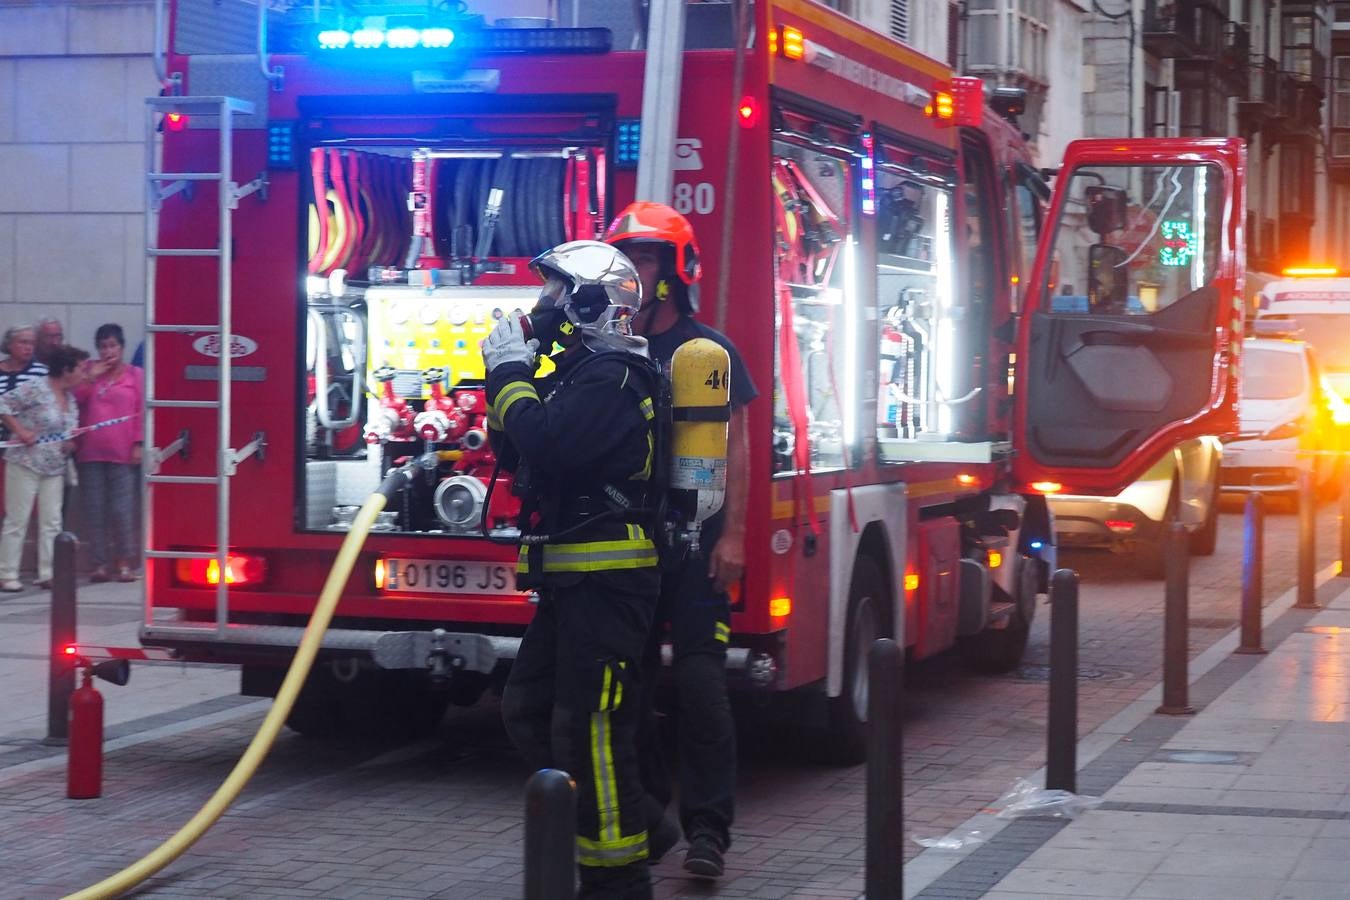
(1178, 243)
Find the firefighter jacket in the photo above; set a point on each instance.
(582, 444)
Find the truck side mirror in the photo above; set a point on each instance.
(1107, 208)
(1108, 280)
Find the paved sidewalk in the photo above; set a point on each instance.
(108, 615)
(1246, 800)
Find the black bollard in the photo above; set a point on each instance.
(550, 836)
(61, 670)
(885, 863)
(1061, 732)
(1307, 543)
(1176, 621)
(1253, 564)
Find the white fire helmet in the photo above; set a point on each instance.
(598, 289)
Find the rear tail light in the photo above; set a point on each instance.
(241, 570)
(1120, 526)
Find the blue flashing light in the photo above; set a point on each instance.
(334, 40)
(1036, 545)
(402, 38)
(437, 37)
(368, 39)
(628, 143)
(281, 145)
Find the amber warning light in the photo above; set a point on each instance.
(176, 121)
(241, 570)
(1311, 271)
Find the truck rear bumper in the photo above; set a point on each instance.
(469, 652)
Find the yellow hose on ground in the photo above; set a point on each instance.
(175, 846)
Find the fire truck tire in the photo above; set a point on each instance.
(1205, 541)
(1151, 555)
(376, 703)
(845, 742)
(994, 651)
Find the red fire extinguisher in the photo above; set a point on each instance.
(84, 767)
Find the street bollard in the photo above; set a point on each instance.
(1061, 752)
(1176, 621)
(550, 836)
(1307, 543)
(885, 862)
(1253, 566)
(61, 671)
(1345, 520)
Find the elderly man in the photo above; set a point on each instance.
(50, 335)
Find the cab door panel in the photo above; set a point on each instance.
(1107, 381)
(1133, 311)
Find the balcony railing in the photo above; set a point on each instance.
(1184, 29)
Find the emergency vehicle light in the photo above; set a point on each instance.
(1311, 271)
(242, 570)
(628, 143)
(911, 582)
(780, 607)
(1047, 487)
(176, 121)
(995, 559)
(482, 40)
(747, 112)
(793, 43)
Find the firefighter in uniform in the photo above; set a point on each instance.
(694, 599)
(581, 443)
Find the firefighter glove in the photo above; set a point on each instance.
(507, 343)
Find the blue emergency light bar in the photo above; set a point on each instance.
(477, 40)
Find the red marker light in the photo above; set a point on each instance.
(176, 121)
(747, 112)
(70, 649)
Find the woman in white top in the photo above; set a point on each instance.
(39, 414)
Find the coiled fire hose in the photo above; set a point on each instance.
(123, 881)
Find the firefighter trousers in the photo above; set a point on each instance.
(699, 618)
(573, 701)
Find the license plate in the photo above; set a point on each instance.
(446, 576)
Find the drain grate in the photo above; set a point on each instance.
(1041, 672)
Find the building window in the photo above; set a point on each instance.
(1027, 32)
(1340, 107)
(1301, 43)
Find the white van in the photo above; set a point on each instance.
(1320, 304)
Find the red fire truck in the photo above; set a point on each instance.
(351, 194)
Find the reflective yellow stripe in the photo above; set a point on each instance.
(604, 690)
(513, 391)
(618, 688)
(621, 852)
(492, 421)
(599, 556)
(645, 473)
(602, 766)
(648, 411)
(722, 632)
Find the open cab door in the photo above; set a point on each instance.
(1133, 318)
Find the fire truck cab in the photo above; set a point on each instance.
(351, 193)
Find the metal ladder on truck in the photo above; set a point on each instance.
(160, 186)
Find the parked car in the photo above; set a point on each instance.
(1287, 412)
(1183, 487)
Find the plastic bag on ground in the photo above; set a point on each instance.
(1026, 799)
(955, 840)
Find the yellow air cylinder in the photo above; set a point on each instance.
(700, 381)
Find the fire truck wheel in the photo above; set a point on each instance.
(376, 703)
(994, 651)
(846, 738)
(1205, 541)
(1151, 555)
